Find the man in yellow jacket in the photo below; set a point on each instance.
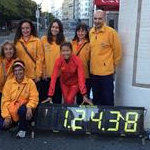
(19, 101)
(105, 56)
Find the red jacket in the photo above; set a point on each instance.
(71, 73)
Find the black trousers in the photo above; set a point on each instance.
(22, 126)
(39, 87)
(0, 101)
(103, 90)
(80, 97)
(57, 98)
(0, 96)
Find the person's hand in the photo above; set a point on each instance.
(7, 122)
(29, 114)
(86, 100)
(49, 99)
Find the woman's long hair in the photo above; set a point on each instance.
(19, 30)
(81, 26)
(60, 37)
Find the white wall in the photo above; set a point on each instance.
(133, 75)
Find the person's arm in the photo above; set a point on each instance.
(44, 65)
(81, 77)
(116, 45)
(4, 106)
(33, 100)
(54, 77)
(81, 82)
(33, 96)
(88, 56)
(87, 52)
(39, 60)
(5, 101)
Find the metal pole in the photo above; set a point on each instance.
(91, 13)
(37, 17)
(74, 9)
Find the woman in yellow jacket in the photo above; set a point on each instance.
(81, 48)
(18, 101)
(51, 45)
(7, 58)
(29, 50)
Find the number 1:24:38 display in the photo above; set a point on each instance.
(113, 120)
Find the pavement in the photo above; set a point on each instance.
(63, 141)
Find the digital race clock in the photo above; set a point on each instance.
(94, 119)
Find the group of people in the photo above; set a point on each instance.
(50, 69)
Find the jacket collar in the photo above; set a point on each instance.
(25, 80)
(71, 57)
(76, 42)
(101, 30)
(32, 39)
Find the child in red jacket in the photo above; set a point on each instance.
(72, 78)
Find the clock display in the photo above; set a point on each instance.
(94, 119)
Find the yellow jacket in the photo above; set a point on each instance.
(84, 55)
(52, 52)
(27, 91)
(5, 74)
(34, 47)
(105, 51)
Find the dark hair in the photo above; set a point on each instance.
(18, 61)
(81, 26)
(60, 37)
(68, 44)
(3, 47)
(19, 30)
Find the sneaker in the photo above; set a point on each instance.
(21, 134)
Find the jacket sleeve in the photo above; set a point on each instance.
(54, 77)
(88, 56)
(116, 45)
(5, 101)
(33, 95)
(44, 65)
(39, 60)
(81, 77)
(88, 52)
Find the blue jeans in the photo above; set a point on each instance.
(22, 126)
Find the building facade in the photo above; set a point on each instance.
(65, 10)
(71, 9)
(52, 8)
(78, 10)
(82, 10)
(58, 13)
